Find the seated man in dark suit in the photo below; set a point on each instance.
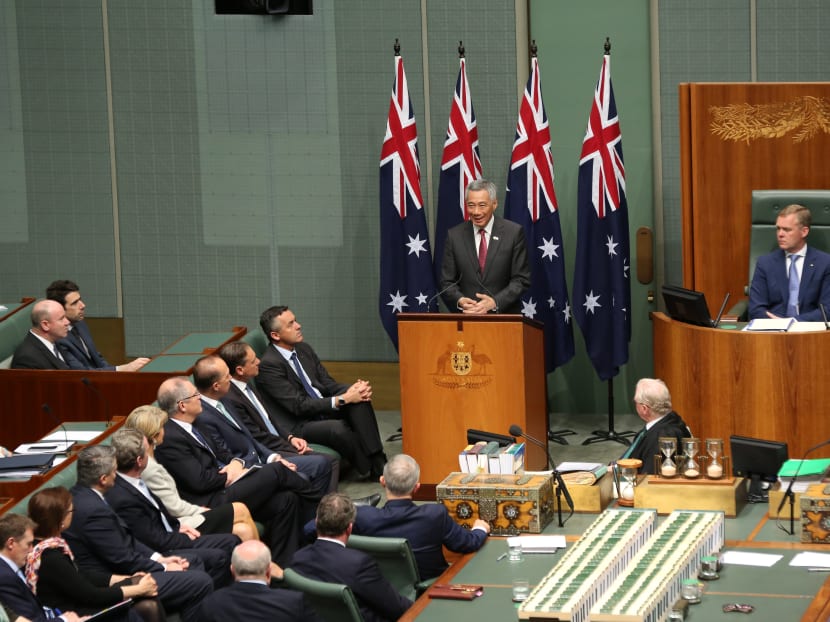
(39, 349)
(249, 407)
(308, 402)
(652, 402)
(328, 559)
(150, 521)
(78, 348)
(102, 542)
(427, 526)
(16, 538)
(250, 598)
(210, 475)
(793, 280)
(220, 423)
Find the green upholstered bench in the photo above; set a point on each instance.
(12, 331)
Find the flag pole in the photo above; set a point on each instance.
(599, 436)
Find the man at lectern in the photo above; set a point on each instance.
(793, 280)
(484, 268)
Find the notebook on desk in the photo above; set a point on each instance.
(37, 463)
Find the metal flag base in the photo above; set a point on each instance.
(600, 436)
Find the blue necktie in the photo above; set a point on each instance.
(298, 368)
(792, 301)
(221, 408)
(265, 419)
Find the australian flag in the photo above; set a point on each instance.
(460, 164)
(406, 282)
(602, 286)
(531, 202)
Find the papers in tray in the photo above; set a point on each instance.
(538, 544)
(779, 325)
(79, 436)
(807, 327)
(47, 447)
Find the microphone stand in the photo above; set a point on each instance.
(561, 488)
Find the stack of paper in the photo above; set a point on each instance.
(538, 544)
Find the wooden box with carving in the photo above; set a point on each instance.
(815, 515)
(512, 504)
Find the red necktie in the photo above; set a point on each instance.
(482, 249)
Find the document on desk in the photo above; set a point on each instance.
(812, 559)
(808, 327)
(79, 436)
(743, 558)
(538, 544)
(773, 325)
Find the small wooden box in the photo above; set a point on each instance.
(815, 515)
(512, 504)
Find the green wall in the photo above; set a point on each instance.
(189, 169)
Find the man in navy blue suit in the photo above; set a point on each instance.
(329, 560)
(793, 280)
(78, 348)
(428, 526)
(16, 538)
(250, 598)
(150, 521)
(102, 541)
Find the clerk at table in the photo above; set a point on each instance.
(794, 279)
(652, 402)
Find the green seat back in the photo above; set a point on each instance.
(334, 602)
(395, 558)
(256, 339)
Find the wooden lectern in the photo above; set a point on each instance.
(465, 371)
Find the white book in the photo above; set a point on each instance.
(807, 327)
(538, 544)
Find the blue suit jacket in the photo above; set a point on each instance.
(237, 439)
(329, 561)
(769, 290)
(254, 602)
(17, 596)
(428, 528)
(74, 353)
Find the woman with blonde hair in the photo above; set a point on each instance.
(227, 518)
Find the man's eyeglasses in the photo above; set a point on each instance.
(189, 397)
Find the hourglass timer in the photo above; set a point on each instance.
(714, 447)
(668, 447)
(628, 469)
(691, 448)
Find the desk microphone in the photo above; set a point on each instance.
(516, 430)
(107, 410)
(48, 410)
(435, 296)
(789, 494)
(824, 316)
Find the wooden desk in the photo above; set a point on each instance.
(14, 307)
(84, 395)
(764, 385)
(780, 592)
(204, 342)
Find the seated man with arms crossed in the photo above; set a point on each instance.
(328, 559)
(308, 402)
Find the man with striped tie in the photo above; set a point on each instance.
(652, 401)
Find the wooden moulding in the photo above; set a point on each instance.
(591, 499)
(700, 495)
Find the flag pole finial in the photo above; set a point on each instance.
(607, 46)
(533, 48)
(460, 49)
(397, 48)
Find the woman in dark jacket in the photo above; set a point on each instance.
(55, 579)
